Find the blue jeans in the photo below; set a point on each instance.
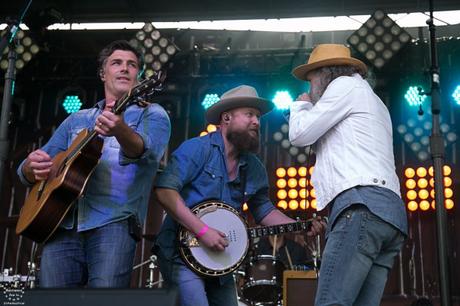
(99, 258)
(195, 290)
(358, 256)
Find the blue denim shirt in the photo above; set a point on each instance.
(119, 186)
(382, 202)
(197, 170)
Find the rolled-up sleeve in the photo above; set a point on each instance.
(57, 143)
(154, 128)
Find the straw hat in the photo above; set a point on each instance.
(328, 55)
(241, 96)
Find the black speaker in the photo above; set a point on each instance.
(89, 297)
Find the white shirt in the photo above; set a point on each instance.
(352, 132)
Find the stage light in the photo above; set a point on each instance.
(415, 96)
(25, 50)
(281, 194)
(293, 193)
(293, 204)
(245, 207)
(209, 100)
(313, 204)
(424, 205)
(281, 183)
(281, 136)
(446, 170)
(303, 204)
(456, 95)
(449, 204)
(409, 172)
(448, 193)
(412, 206)
(421, 186)
(72, 98)
(423, 194)
(72, 104)
(421, 183)
(303, 193)
(282, 204)
(282, 99)
(410, 184)
(280, 172)
(157, 50)
(379, 39)
(421, 172)
(292, 171)
(411, 195)
(209, 129)
(292, 187)
(303, 182)
(302, 171)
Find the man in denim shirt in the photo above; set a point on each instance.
(93, 245)
(354, 176)
(212, 167)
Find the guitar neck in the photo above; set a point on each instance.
(262, 231)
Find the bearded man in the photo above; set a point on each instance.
(221, 165)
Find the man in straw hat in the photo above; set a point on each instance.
(221, 165)
(354, 175)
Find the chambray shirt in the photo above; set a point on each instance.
(119, 186)
(351, 130)
(197, 170)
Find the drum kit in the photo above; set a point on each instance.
(260, 280)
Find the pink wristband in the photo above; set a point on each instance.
(203, 231)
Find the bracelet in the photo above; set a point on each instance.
(203, 231)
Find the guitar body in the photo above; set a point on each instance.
(226, 219)
(49, 201)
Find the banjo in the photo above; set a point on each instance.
(226, 219)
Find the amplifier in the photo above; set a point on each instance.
(299, 288)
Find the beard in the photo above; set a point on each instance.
(317, 92)
(244, 141)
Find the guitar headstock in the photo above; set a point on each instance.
(139, 94)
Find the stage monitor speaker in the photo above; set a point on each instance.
(89, 297)
(299, 288)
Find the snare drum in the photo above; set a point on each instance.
(263, 280)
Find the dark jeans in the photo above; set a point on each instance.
(99, 258)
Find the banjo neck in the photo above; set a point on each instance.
(261, 231)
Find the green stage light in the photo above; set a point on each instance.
(72, 104)
(415, 95)
(456, 95)
(282, 99)
(209, 100)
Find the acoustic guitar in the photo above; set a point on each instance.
(226, 219)
(49, 200)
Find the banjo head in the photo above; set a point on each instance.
(227, 220)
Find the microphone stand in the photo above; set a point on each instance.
(8, 91)
(437, 154)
